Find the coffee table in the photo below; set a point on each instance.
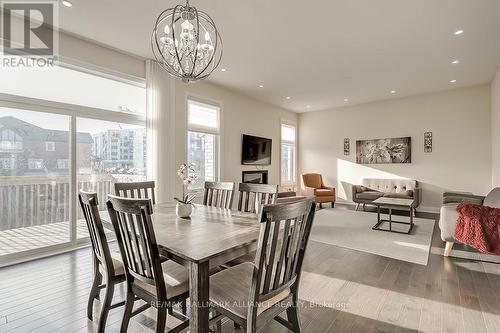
(393, 203)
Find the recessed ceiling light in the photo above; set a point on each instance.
(67, 3)
(459, 32)
(287, 97)
(346, 99)
(454, 62)
(453, 81)
(308, 106)
(222, 69)
(261, 86)
(393, 91)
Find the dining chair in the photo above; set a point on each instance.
(159, 284)
(251, 294)
(253, 196)
(139, 190)
(108, 265)
(218, 194)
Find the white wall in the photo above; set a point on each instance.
(80, 51)
(240, 115)
(495, 130)
(88, 52)
(461, 157)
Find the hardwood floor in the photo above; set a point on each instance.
(342, 291)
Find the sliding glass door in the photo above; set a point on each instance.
(63, 130)
(108, 152)
(34, 180)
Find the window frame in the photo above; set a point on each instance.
(206, 130)
(289, 123)
(36, 163)
(51, 144)
(73, 111)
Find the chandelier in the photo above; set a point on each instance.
(186, 43)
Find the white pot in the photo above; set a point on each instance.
(183, 210)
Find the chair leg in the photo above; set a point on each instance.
(292, 314)
(448, 248)
(184, 307)
(364, 207)
(357, 207)
(105, 304)
(127, 312)
(161, 320)
(333, 204)
(320, 205)
(94, 293)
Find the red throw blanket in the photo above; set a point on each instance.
(479, 227)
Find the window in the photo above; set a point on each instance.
(84, 132)
(35, 163)
(75, 87)
(62, 164)
(101, 161)
(288, 154)
(10, 140)
(50, 146)
(8, 163)
(203, 141)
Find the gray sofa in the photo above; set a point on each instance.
(449, 214)
(374, 188)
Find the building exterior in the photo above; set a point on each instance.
(119, 151)
(29, 150)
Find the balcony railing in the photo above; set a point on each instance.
(40, 200)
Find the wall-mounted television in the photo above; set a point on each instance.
(256, 150)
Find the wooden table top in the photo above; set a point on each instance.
(393, 201)
(209, 232)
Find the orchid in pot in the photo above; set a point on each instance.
(184, 205)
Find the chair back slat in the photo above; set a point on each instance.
(100, 247)
(131, 218)
(218, 194)
(253, 196)
(139, 190)
(281, 247)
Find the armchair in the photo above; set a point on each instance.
(314, 186)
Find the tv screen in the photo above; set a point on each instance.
(256, 150)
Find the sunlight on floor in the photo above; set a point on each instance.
(415, 246)
(31, 238)
(379, 304)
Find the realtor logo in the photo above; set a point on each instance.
(28, 31)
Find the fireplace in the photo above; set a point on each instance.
(255, 177)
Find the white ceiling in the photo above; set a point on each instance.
(320, 52)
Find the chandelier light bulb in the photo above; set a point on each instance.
(207, 36)
(187, 31)
(167, 29)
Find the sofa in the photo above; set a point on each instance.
(313, 186)
(449, 215)
(374, 188)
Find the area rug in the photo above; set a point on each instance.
(353, 230)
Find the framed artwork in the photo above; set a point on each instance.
(428, 142)
(384, 151)
(347, 146)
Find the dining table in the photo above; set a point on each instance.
(209, 237)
